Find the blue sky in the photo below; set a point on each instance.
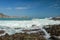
(33, 8)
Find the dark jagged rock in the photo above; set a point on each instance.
(23, 36)
(54, 31)
(55, 18)
(2, 31)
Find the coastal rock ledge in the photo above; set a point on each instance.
(24, 36)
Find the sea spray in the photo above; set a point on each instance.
(10, 25)
(47, 36)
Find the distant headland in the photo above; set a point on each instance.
(7, 16)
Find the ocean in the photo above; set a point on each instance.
(9, 25)
(16, 18)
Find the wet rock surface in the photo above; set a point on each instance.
(23, 36)
(55, 18)
(2, 31)
(54, 31)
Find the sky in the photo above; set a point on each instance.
(31, 8)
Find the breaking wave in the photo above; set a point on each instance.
(15, 26)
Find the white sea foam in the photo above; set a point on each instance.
(9, 26)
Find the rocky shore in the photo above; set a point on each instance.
(54, 31)
(55, 18)
(23, 36)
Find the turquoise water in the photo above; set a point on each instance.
(15, 18)
(30, 18)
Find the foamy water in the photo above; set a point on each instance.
(9, 26)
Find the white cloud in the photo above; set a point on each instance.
(57, 6)
(21, 8)
(17, 8)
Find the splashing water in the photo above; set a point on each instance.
(9, 26)
(46, 33)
